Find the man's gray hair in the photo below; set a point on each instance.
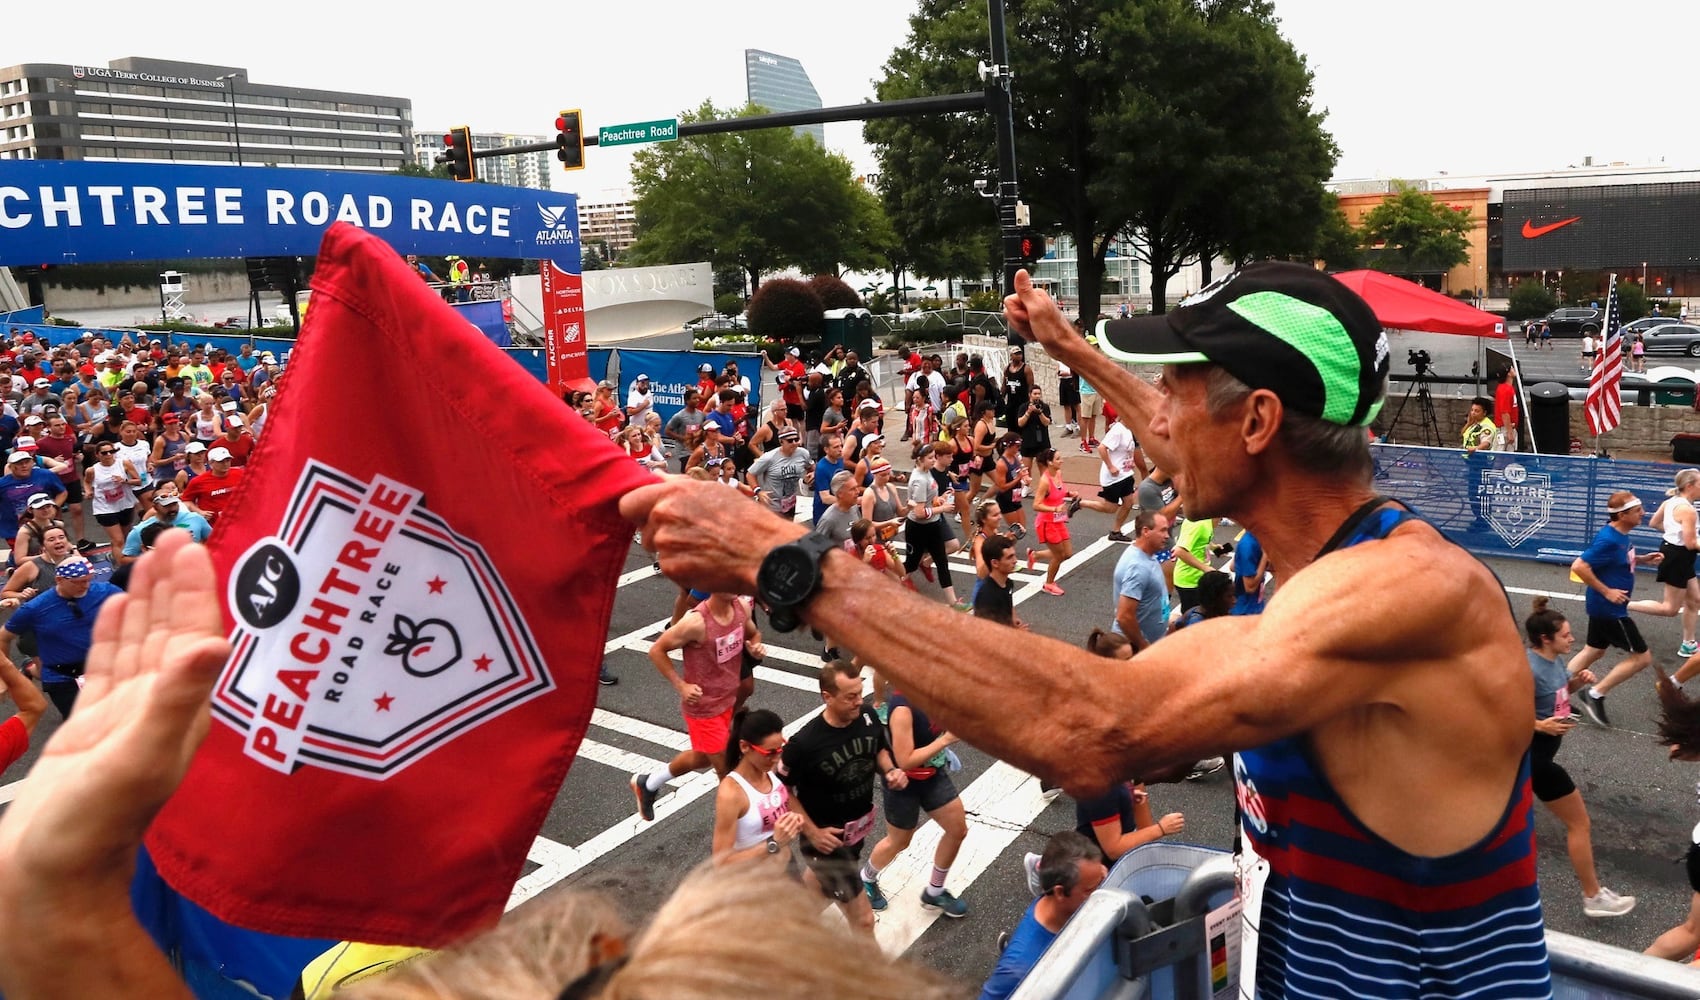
(842, 478)
(1059, 866)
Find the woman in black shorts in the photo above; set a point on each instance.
(1550, 640)
(1675, 521)
(1679, 729)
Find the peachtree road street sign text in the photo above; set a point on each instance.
(665, 130)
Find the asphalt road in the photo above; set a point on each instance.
(1642, 805)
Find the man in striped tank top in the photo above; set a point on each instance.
(1381, 732)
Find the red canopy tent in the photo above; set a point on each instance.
(1406, 305)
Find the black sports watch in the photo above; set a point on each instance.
(789, 576)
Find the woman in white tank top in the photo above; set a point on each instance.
(1676, 519)
(752, 816)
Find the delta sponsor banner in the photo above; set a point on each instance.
(672, 372)
(409, 678)
(1527, 506)
(565, 341)
(75, 212)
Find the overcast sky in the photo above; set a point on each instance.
(1465, 86)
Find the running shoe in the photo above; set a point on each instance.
(1068, 430)
(876, 898)
(1593, 706)
(1086, 446)
(1048, 791)
(1116, 536)
(1072, 505)
(927, 571)
(949, 905)
(963, 606)
(607, 679)
(1030, 865)
(645, 797)
(1209, 765)
(1607, 904)
(1031, 554)
(1052, 589)
(1688, 648)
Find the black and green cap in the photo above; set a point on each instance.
(1288, 328)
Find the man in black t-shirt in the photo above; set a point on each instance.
(830, 765)
(994, 598)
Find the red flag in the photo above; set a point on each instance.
(419, 572)
(1603, 405)
(565, 344)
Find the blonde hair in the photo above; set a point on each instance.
(1684, 479)
(689, 951)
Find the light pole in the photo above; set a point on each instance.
(235, 129)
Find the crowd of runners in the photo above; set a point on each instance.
(1434, 702)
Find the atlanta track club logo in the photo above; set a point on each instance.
(368, 633)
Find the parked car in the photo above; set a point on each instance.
(1673, 338)
(1574, 321)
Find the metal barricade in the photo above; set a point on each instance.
(1142, 937)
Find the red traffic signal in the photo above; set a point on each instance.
(569, 140)
(457, 153)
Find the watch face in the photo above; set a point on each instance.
(787, 576)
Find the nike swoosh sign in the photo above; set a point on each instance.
(1532, 231)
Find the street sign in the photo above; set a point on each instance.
(665, 130)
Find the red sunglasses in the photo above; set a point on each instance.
(776, 751)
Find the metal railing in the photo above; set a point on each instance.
(938, 321)
(1119, 947)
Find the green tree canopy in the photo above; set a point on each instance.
(1185, 123)
(1412, 233)
(760, 201)
(1337, 243)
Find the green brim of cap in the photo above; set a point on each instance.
(1145, 340)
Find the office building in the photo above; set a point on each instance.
(609, 220)
(528, 170)
(780, 83)
(1643, 222)
(158, 111)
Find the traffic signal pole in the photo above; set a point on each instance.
(1000, 98)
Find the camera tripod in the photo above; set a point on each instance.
(1427, 422)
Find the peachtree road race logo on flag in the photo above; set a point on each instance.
(1515, 502)
(368, 633)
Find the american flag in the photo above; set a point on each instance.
(1603, 406)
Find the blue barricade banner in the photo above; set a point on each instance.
(533, 361)
(75, 212)
(487, 317)
(34, 314)
(1525, 506)
(672, 372)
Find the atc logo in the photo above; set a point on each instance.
(368, 633)
(1515, 502)
(558, 225)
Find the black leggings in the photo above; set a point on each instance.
(63, 694)
(1549, 780)
(927, 538)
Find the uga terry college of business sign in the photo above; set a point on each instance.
(73, 212)
(368, 633)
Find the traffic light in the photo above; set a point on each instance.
(569, 141)
(1031, 248)
(457, 153)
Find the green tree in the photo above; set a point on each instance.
(1411, 233)
(1632, 301)
(834, 292)
(786, 309)
(1338, 244)
(412, 169)
(591, 259)
(1530, 299)
(759, 201)
(1186, 123)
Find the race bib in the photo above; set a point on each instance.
(1561, 703)
(857, 830)
(113, 490)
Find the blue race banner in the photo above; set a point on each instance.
(672, 372)
(1526, 506)
(533, 360)
(34, 314)
(487, 317)
(72, 212)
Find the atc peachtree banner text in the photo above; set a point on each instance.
(71, 212)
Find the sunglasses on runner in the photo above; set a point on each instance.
(776, 751)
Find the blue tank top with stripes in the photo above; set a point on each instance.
(1347, 914)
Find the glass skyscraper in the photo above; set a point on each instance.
(779, 83)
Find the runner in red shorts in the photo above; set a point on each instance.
(712, 638)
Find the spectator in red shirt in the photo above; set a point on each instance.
(236, 439)
(211, 492)
(15, 731)
(1505, 412)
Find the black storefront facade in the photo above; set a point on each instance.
(1646, 233)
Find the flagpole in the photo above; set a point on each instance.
(1526, 426)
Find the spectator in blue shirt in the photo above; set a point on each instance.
(1070, 870)
(167, 510)
(23, 479)
(63, 622)
(1249, 568)
(1607, 566)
